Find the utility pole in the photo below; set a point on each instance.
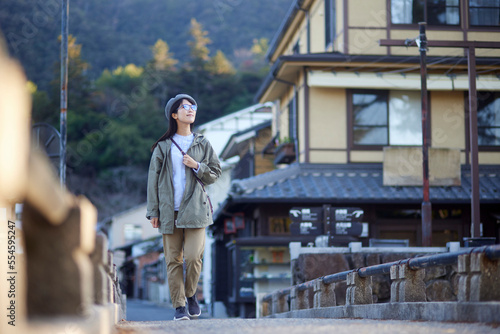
(426, 203)
(64, 90)
(471, 66)
(474, 159)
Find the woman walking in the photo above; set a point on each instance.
(177, 203)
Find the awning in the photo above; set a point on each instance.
(239, 141)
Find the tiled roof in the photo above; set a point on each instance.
(355, 183)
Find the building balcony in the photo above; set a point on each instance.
(284, 154)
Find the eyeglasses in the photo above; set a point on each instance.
(193, 107)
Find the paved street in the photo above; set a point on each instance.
(147, 317)
(296, 326)
(142, 310)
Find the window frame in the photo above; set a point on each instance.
(470, 25)
(483, 147)
(330, 32)
(350, 120)
(457, 26)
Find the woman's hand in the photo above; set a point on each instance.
(155, 222)
(189, 162)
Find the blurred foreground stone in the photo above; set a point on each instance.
(61, 276)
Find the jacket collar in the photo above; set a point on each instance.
(198, 137)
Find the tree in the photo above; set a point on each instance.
(219, 64)
(41, 106)
(78, 83)
(260, 47)
(162, 57)
(198, 45)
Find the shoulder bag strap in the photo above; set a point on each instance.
(196, 176)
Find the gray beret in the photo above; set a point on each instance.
(172, 101)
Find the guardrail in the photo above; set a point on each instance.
(478, 282)
(59, 270)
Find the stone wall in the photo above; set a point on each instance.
(441, 282)
(458, 285)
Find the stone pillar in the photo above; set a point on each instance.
(279, 302)
(59, 270)
(99, 259)
(266, 306)
(299, 298)
(408, 285)
(110, 290)
(485, 280)
(359, 289)
(396, 282)
(464, 276)
(324, 294)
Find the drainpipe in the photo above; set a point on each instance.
(308, 19)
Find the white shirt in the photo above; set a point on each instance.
(179, 169)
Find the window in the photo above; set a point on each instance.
(405, 118)
(132, 232)
(488, 118)
(484, 12)
(370, 118)
(434, 12)
(386, 118)
(329, 22)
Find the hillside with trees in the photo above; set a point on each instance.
(126, 58)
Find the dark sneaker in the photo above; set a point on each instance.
(180, 313)
(193, 307)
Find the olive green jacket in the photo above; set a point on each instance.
(194, 211)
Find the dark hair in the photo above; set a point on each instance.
(172, 124)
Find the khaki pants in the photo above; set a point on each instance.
(187, 243)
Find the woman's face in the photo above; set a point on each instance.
(184, 115)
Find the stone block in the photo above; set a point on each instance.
(312, 266)
(433, 273)
(396, 282)
(359, 290)
(109, 266)
(265, 309)
(392, 257)
(372, 259)
(59, 269)
(440, 290)
(485, 280)
(408, 285)
(454, 281)
(358, 260)
(340, 292)
(464, 276)
(381, 288)
(412, 287)
(279, 302)
(300, 298)
(99, 259)
(109, 290)
(324, 294)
